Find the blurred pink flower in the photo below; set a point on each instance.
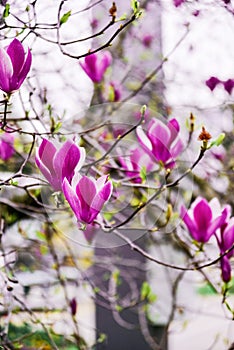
(86, 196)
(212, 82)
(162, 142)
(201, 220)
(134, 163)
(177, 3)
(57, 164)
(228, 85)
(14, 66)
(96, 64)
(225, 239)
(147, 40)
(6, 146)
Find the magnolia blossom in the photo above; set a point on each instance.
(201, 219)
(162, 141)
(96, 64)
(225, 239)
(6, 146)
(87, 196)
(177, 3)
(212, 82)
(14, 66)
(228, 84)
(133, 164)
(57, 164)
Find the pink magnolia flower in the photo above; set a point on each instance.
(177, 3)
(226, 269)
(134, 163)
(96, 64)
(200, 219)
(162, 141)
(87, 196)
(225, 239)
(147, 40)
(6, 146)
(14, 66)
(228, 85)
(212, 82)
(57, 164)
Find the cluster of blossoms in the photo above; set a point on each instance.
(228, 84)
(206, 219)
(61, 167)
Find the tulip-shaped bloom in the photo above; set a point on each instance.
(57, 164)
(96, 64)
(228, 85)
(135, 162)
(14, 66)
(162, 141)
(212, 82)
(86, 196)
(201, 221)
(6, 146)
(225, 240)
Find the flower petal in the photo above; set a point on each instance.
(202, 215)
(101, 197)
(67, 159)
(189, 223)
(158, 131)
(72, 199)
(174, 128)
(143, 139)
(16, 53)
(6, 71)
(226, 269)
(25, 69)
(46, 152)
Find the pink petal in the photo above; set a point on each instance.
(66, 160)
(25, 69)
(6, 71)
(144, 140)
(158, 130)
(202, 215)
(102, 196)
(189, 223)
(177, 148)
(226, 269)
(16, 52)
(174, 128)
(217, 223)
(86, 190)
(72, 198)
(46, 153)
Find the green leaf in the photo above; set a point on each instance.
(146, 293)
(135, 5)
(145, 290)
(123, 17)
(6, 11)
(143, 173)
(218, 141)
(102, 337)
(65, 17)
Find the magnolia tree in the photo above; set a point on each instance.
(93, 158)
